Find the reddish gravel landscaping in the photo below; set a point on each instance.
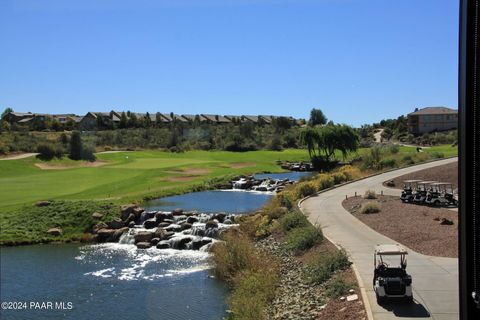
(415, 226)
(445, 173)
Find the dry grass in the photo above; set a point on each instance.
(370, 194)
(370, 207)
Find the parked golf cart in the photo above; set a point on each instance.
(441, 194)
(422, 191)
(390, 279)
(409, 186)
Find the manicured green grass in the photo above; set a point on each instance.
(128, 175)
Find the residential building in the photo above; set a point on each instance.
(431, 119)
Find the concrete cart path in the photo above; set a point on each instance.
(435, 283)
(19, 156)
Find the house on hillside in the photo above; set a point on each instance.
(99, 120)
(14, 117)
(431, 119)
(215, 118)
(253, 119)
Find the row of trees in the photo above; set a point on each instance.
(73, 145)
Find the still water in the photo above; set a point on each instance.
(118, 281)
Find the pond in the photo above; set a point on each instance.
(118, 281)
(110, 281)
(231, 201)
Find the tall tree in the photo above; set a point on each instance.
(6, 111)
(76, 147)
(324, 141)
(123, 121)
(317, 117)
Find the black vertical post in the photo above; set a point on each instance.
(469, 242)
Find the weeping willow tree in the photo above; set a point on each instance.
(322, 142)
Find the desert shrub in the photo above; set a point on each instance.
(293, 220)
(276, 212)
(88, 153)
(337, 287)
(387, 163)
(350, 172)
(408, 159)
(236, 254)
(370, 207)
(253, 290)
(370, 194)
(338, 177)
(436, 155)
(305, 189)
(48, 151)
(252, 276)
(300, 239)
(393, 148)
(324, 181)
(324, 265)
(286, 199)
(4, 149)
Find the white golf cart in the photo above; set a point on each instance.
(391, 280)
(409, 187)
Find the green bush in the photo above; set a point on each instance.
(337, 287)
(88, 153)
(393, 148)
(388, 163)
(300, 239)
(339, 177)
(436, 155)
(370, 207)
(324, 265)
(49, 151)
(293, 220)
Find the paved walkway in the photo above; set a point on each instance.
(19, 156)
(435, 283)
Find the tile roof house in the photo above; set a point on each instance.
(431, 119)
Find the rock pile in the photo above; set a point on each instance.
(163, 230)
(294, 299)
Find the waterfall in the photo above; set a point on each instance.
(127, 237)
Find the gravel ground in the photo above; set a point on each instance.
(416, 226)
(296, 299)
(445, 173)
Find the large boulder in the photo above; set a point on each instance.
(143, 245)
(55, 232)
(211, 224)
(97, 215)
(98, 226)
(163, 224)
(138, 212)
(192, 219)
(150, 224)
(164, 244)
(43, 203)
(162, 216)
(118, 233)
(126, 209)
(177, 212)
(155, 241)
(116, 224)
(143, 236)
(131, 218)
(104, 235)
(186, 226)
(219, 216)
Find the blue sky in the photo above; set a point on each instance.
(359, 61)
